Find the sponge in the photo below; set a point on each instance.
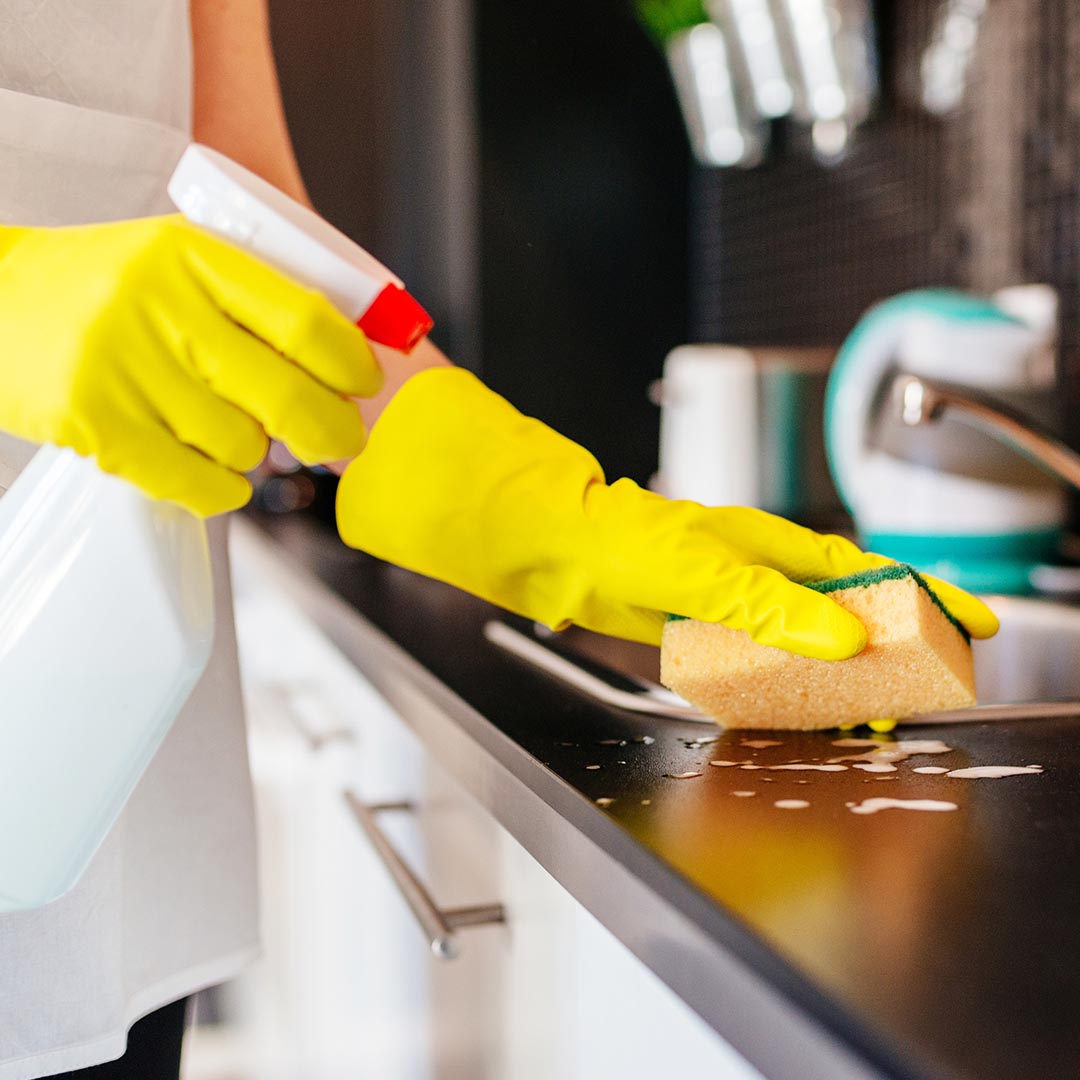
(917, 659)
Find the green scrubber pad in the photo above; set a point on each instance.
(890, 572)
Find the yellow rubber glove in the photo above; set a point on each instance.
(456, 484)
(169, 355)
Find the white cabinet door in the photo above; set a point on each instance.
(462, 860)
(343, 988)
(348, 986)
(629, 1024)
(552, 994)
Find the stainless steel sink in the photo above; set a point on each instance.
(1034, 657)
(1032, 666)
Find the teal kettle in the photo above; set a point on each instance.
(950, 499)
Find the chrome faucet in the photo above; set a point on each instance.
(924, 401)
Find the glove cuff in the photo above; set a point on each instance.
(457, 484)
(10, 235)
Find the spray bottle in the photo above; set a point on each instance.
(106, 600)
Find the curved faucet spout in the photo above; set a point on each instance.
(924, 401)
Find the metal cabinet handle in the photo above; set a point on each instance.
(438, 924)
(281, 699)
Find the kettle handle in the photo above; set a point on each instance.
(863, 362)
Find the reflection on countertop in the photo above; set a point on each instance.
(946, 943)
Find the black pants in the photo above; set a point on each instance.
(153, 1050)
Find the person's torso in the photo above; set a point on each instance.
(95, 109)
(128, 57)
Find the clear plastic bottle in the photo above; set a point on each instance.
(106, 597)
(106, 624)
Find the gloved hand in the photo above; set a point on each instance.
(169, 355)
(456, 484)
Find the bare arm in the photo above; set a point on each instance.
(238, 110)
(238, 107)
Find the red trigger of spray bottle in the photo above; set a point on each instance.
(395, 319)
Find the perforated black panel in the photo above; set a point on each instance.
(792, 252)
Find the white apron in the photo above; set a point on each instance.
(95, 102)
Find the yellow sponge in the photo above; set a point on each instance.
(917, 659)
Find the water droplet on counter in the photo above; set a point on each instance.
(645, 740)
(566, 744)
(610, 742)
(744, 794)
(872, 806)
(993, 772)
(646, 802)
(760, 744)
(592, 768)
(620, 762)
(873, 766)
(726, 764)
(791, 804)
(898, 751)
(799, 767)
(604, 802)
(802, 781)
(681, 775)
(919, 746)
(751, 766)
(884, 779)
(767, 779)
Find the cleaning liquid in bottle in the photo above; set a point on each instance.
(106, 598)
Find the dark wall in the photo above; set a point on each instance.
(539, 206)
(380, 100)
(583, 215)
(336, 61)
(523, 167)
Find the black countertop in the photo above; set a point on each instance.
(933, 945)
